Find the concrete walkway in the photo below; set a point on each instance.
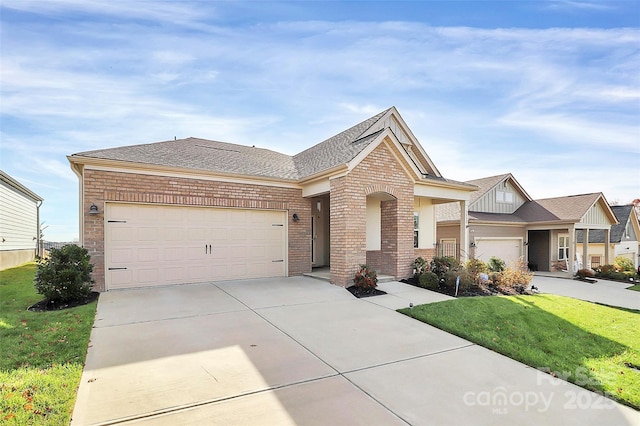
(301, 351)
(612, 293)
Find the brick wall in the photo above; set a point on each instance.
(379, 172)
(102, 186)
(426, 254)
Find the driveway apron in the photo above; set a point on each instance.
(302, 351)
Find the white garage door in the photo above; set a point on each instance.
(150, 245)
(508, 249)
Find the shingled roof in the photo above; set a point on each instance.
(617, 231)
(339, 149)
(203, 154)
(223, 157)
(569, 209)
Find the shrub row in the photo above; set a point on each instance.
(442, 273)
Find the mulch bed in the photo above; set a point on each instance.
(360, 292)
(47, 305)
(478, 291)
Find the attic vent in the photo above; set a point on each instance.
(217, 148)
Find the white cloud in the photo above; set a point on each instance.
(481, 101)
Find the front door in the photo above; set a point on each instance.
(320, 231)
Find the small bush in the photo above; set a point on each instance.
(420, 266)
(586, 273)
(466, 281)
(366, 278)
(605, 270)
(66, 275)
(517, 279)
(441, 265)
(624, 263)
(429, 280)
(475, 267)
(496, 264)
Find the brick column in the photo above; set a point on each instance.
(348, 230)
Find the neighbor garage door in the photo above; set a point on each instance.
(150, 245)
(508, 249)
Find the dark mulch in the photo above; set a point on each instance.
(487, 290)
(360, 292)
(48, 305)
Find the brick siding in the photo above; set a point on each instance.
(104, 186)
(379, 172)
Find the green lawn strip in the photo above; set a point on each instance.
(587, 344)
(41, 355)
(634, 287)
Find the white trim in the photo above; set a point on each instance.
(217, 178)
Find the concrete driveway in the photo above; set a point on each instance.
(301, 351)
(612, 293)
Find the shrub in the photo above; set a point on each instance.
(496, 264)
(515, 278)
(586, 273)
(420, 266)
(475, 267)
(441, 265)
(605, 270)
(366, 278)
(466, 281)
(429, 280)
(66, 275)
(624, 263)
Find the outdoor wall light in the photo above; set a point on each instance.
(296, 217)
(93, 209)
(526, 243)
(472, 244)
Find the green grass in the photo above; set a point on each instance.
(587, 344)
(634, 287)
(41, 355)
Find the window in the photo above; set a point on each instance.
(416, 221)
(595, 261)
(563, 247)
(504, 197)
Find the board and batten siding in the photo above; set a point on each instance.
(596, 216)
(488, 202)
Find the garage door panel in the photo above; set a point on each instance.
(121, 278)
(121, 233)
(173, 234)
(148, 255)
(170, 244)
(120, 255)
(147, 276)
(509, 250)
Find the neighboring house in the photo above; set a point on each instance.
(19, 222)
(505, 222)
(195, 210)
(623, 238)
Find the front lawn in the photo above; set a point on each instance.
(594, 346)
(634, 287)
(41, 355)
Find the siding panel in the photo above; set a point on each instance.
(18, 220)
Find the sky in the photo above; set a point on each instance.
(546, 90)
